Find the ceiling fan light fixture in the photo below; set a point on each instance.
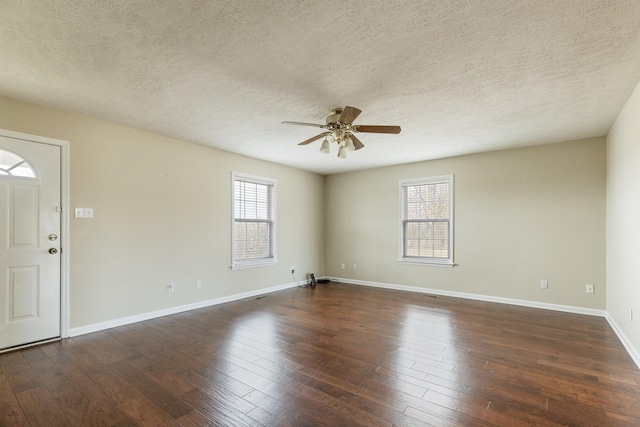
(342, 153)
(324, 148)
(348, 144)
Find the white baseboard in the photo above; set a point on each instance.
(478, 297)
(635, 355)
(73, 332)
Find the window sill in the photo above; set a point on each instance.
(431, 263)
(253, 264)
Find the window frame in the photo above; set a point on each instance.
(272, 185)
(436, 261)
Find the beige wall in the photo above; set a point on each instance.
(162, 214)
(521, 215)
(623, 220)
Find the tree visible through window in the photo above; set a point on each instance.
(253, 220)
(427, 220)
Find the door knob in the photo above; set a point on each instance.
(53, 237)
(53, 251)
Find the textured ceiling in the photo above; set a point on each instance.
(458, 76)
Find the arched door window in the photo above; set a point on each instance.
(13, 165)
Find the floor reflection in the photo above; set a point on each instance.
(426, 350)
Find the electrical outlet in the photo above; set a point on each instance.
(342, 266)
(544, 284)
(293, 269)
(198, 283)
(171, 287)
(589, 289)
(632, 315)
(355, 266)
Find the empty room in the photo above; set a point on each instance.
(338, 213)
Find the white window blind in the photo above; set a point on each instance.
(253, 220)
(427, 220)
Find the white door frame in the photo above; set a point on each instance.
(64, 219)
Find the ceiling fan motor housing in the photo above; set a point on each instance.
(334, 116)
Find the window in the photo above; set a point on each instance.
(426, 226)
(13, 165)
(254, 205)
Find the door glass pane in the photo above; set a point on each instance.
(13, 165)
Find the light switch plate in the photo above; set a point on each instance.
(84, 212)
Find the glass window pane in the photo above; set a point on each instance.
(241, 249)
(412, 230)
(441, 248)
(23, 170)
(412, 247)
(8, 159)
(241, 230)
(441, 230)
(426, 230)
(14, 165)
(426, 248)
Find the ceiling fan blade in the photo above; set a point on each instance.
(310, 140)
(356, 142)
(348, 115)
(376, 129)
(305, 124)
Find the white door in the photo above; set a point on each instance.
(29, 242)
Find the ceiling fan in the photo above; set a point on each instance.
(340, 129)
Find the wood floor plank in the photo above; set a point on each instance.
(81, 412)
(217, 410)
(255, 381)
(49, 374)
(332, 355)
(355, 414)
(11, 413)
(207, 380)
(195, 419)
(41, 409)
(157, 394)
(13, 362)
(105, 412)
(169, 380)
(225, 390)
(442, 417)
(34, 354)
(147, 414)
(270, 411)
(114, 387)
(23, 380)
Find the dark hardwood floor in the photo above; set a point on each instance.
(335, 355)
